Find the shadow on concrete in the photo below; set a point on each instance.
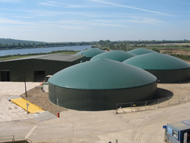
(161, 93)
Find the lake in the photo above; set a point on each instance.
(41, 50)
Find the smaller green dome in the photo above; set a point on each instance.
(116, 55)
(90, 52)
(156, 61)
(102, 74)
(141, 51)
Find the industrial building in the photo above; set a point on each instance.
(116, 55)
(36, 68)
(89, 53)
(100, 84)
(166, 68)
(178, 132)
(141, 51)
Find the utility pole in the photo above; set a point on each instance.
(25, 81)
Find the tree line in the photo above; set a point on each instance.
(125, 45)
(129, 45)
(40, 45)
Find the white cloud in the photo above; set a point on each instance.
(11, 1)
(25, 17)
(65, 5)
(103, 21)
(12, 22)
(49, 4)
(144, 20)
(83, 24)
(126, 6)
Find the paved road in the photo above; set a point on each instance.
(100, 127)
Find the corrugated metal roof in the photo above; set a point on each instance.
(24, 58)
(54, 57)
(102, 74)
(182, 125)
(116, 55)
(156, 61)
(61, 57)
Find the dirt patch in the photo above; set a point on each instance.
(176, 44)
(174, 51)
(40, 98)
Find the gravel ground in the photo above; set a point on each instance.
(40, 98)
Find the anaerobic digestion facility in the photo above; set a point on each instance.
(89, 53)
(116, 55)
(141, 51)
(166, 68)
(100, 85)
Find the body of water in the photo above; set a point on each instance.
(41, 50)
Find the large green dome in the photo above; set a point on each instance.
(156, 61)
(116, 55)
(101, 74)
(90, 52)
(141, 51)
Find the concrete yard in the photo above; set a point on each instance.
(90, 127)
(9, 111)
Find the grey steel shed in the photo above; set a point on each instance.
(36, 68)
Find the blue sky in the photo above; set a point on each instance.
(94, 20)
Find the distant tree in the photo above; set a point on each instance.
(108, 41)
(23, 45)
(6, 46)
(101, 41)
(111, 46)
(33, 44)
(41, 44)
(19, 45)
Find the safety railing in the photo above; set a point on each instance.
(13, 138)
(138, 106)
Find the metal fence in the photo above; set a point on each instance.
(12, 138)
(152, 104)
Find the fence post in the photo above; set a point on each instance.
(13, 138)
(158, 103)
(168, 101)
(145, 104)
(131, 107)
(178, 98)
(116, 110)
